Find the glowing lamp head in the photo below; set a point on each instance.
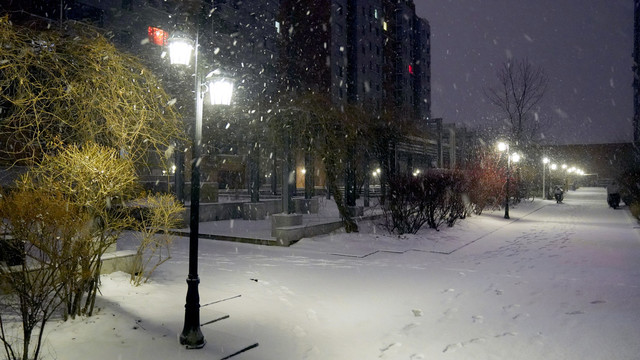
(220, 90)
(180, 48)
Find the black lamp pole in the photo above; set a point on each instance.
(191, 335)
(506, 207)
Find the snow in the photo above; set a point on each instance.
(556, 281)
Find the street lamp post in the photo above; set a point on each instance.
(504, 147)
(545, 161)
(552, 168)
(220, 90)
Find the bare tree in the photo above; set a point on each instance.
(521, 87)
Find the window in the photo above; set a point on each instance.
(278, 26)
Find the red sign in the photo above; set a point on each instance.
(157, 36)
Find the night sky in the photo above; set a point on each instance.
(584, 46)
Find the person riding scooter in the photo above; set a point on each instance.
(558, 193)
(613, 195)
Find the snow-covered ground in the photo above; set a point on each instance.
(554, 282)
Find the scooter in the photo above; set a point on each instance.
(559, 197)
(613, 200)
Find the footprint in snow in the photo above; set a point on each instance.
(577, 312)
(389, 347)
(452, 347)
(407, 328)
(509, 333)
(478, 319)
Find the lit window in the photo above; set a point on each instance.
(157, 36)
(278, 27)
(375, 13)
(384, 25)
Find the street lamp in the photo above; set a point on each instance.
(504, 147)
(552, 167)
(220, 89)
(545, 161)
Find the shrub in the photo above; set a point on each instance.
(485, 184)
(435, 198)
(405, 208)
(161, 214)
(44, 239)
(95, 179)
(630, 190)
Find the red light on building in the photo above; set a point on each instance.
(157, 36)
(411, 69)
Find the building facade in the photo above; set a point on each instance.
(407, 59)
(371, 53)
(365, 53)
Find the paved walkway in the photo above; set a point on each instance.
(259, 231)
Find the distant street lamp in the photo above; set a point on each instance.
(545, 161)
(220, 90)
(504, 147)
